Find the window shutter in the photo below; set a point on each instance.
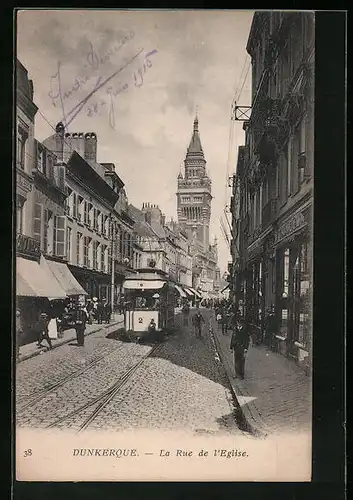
(50, 168)
(61, 176)
(60, 235)
(39, 165)
(37, 222)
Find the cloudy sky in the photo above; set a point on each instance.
(135, 79)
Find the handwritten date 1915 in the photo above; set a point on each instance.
(143, 68)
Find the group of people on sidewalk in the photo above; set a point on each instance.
(71, 314)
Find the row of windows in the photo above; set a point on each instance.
(49, 230)
(84, 211)
(292, 168)
(194, 172)
(192, 212)
(90, 253)
(299, 37)
(188, 199)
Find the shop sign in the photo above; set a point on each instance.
(258, 250)
(290, 226)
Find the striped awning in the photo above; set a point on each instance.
(195, 292)
(181, 291)
(34, 280)
(189, 292)
(225, 288)
(63, 275)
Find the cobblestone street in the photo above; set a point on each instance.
(179, 385)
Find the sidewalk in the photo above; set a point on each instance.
(30, 350)
(275, 396)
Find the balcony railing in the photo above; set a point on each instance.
(27, 245)
(268, 213)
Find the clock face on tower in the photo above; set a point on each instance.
(194, 192)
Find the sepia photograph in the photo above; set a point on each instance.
(164, 173)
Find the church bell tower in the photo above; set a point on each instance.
(194, 193)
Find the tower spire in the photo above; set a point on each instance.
(195, 147)
(196, 121)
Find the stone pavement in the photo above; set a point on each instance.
(28, 351)
(181, 385)
(275, 396)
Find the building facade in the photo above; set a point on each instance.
(273, 187)
(194, 214)
(182, 254)
(25, 154)
(41, 271)
(98, 228)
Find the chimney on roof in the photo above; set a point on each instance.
(90, 148)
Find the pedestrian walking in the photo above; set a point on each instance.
(239, 344)
(198, 320)
(186, 311)
(224, 322)
(80, 319)
(106, 311)
(270, 327)
(19, 332)
(100, 311)
(43, 330)
(89, 309)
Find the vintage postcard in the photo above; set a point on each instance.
(164, 192)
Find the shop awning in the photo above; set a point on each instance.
(181, 291)
(189, 292)
(205, 295)
(143, 285)
(64, 277)
(34, 280)
(225, 288)
(195, 292)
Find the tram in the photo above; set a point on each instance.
(149, 296)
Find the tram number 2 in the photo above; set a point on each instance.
(140, 320)
(27, 453)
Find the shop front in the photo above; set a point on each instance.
(95, 283)
(293, 285)
(256, 284)
(35, 285)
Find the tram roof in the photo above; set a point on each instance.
(134, 284)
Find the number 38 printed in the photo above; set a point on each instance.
(27, 453)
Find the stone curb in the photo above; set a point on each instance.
(247, 414)
(66, 341)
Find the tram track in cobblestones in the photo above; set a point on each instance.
(104, 399)
(37, 397)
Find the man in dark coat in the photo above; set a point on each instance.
(80, 319)
(197, 320)
(270, 327)
(19, 332)
(100, 311)
(186, 311)
(43, 331)
(239, 344)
